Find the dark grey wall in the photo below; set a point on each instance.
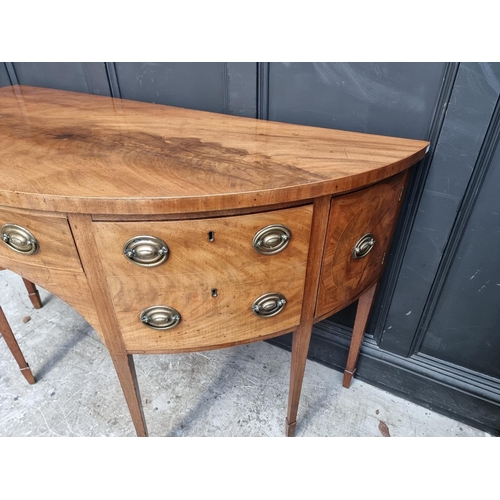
(464, 325)
(472, 102)
(374, 98)
(433, 335)
(4, 77)
(80, 77)
(219, 87)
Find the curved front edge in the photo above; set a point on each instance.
(349, 268)
(72, 288)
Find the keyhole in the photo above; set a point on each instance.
(211, 236)
(214, 292)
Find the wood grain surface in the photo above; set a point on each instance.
(196, 267)
(72, 152)
(86, 173)
(57, 248)
(207, 322)
(372, 210)
(230, 255)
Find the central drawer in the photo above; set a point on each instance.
(212, 276)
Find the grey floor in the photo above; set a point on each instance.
(240, 391)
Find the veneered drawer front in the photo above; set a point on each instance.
(208, 321)
(56, 246)
(212, 284)
(371, 211)
(230, 254)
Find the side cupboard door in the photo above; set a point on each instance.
(359, 231)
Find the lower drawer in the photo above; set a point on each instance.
(213, 315)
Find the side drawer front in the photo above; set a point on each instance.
(56, 246)
(371, 211)
(212, 284)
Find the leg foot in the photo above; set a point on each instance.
(364, 306)
(28, 375)
(346, 382)
(290, 428)
(13, 346)
(300, 347)
(302, 336)
(125, 369)
(33, 294)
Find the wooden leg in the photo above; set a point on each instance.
(83, 232)
(300, 348)
(125, 369)
(302, 337)
(14, 348)
(33, 294)
(364, 306)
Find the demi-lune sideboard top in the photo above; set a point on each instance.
(174, 230)
(72, 152)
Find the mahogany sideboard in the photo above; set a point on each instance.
(173, 230)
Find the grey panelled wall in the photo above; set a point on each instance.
(4, 76)
(219, 87)
(80, 77)
(464, 328)
(388, 99)
(434, 333)
(179, 84)
(475, 94)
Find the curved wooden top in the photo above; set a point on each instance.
(71, 152)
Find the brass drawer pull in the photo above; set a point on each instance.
(271, 239)
(146, 251)
(160, 317)
(19, 239)
(269, 304)
(363, 246)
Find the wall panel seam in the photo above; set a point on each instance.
(464, 212)
(263, 73)
(114, 85)
(11, 72)
(225, 88)
(410, 207)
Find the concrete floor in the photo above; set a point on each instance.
(240, 391)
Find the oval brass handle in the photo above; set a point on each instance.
(269, 304)
(271, 239)
(19, 239)
(363, 246)
(146, 251)
(161, 317)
